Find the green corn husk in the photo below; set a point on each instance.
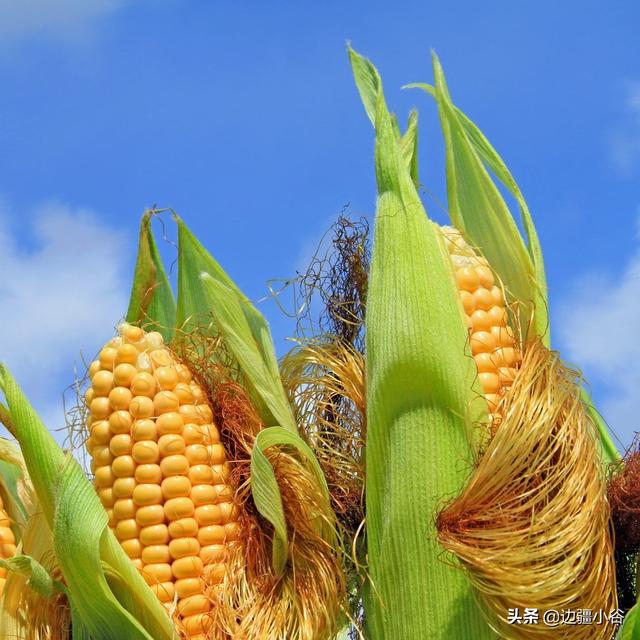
(33, 603)
(421, 404)
(226, 341)
(107, 596)
(630, 629)
(530, 486)
(152, 305)
(477, 207)
(15, 489)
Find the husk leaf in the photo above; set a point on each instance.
(151, 305)
(227, 309)
(38, 577)
(13, 484)
(465, 140)
(82, 540)
(420, 405)
(194, 304)
(477, 208)
(266, 492)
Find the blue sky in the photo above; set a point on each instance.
(244, 118)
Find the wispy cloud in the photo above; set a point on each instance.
(624, 138)
(62, 18)
(598, 328)
(63, 287)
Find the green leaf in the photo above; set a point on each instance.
(151, 305)
(409, 145)
(81, 538)
(608, 449)
(369, 86)
(194, 305)
(500, 170)
(266, 492)
(226, 307)
(478, 209)
(39, 578)
(10, 478)
(630, 629)
(78, 629)
(206, 294)
(420, 405)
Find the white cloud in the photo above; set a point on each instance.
(61, 294)
(58, 18)
(598, 328)
(624, 139)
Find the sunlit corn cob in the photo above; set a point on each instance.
(7, 542)
(161, 472)
(491, 339)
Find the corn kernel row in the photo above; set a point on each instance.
(491, 339)
(7, 542)
(161, 472)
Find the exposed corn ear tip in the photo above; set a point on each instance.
(494, 345)
(161, 472)
(7, 542)
(297, 592)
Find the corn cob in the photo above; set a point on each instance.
(7, 542)
(161, 472)
(491, 339)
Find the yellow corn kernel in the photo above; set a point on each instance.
(145, 452)
(7, 541)
(491, 339)
(184, 547)
(154, 534)
(156, 554)
(190, 567)
(184, 528)
(161, 471)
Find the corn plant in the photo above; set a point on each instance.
(430, 466)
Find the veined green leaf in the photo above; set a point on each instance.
(608, 449)
(368, 83)
(194, 305)
(39, 578)
(478, 209)
(11, 475)
(266, 492)
(81, 538)
(630, 629)
(217, 300)
(270, 396)
(492, 159)
(78, 629)
(409, 145)
(500, 170)
(420, 403)
(151, 305)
